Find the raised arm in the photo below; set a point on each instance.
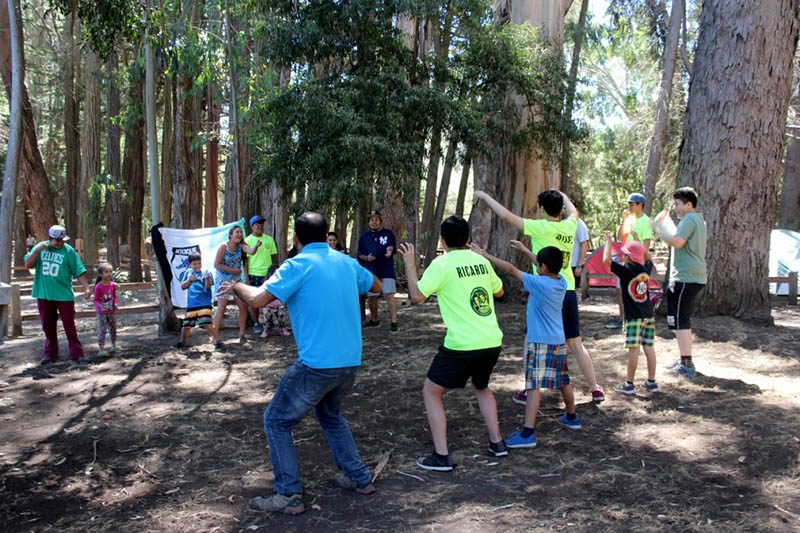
(607, 249)
(503, 266)
(500, 210)
(410, 260)
(30, 260)
(569, 207)
(254, 297)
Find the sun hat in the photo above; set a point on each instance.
(635, 250)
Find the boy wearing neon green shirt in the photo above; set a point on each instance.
(465, 285)
(551, 230)
(261, 263)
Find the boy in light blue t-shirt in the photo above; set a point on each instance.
(546, 356)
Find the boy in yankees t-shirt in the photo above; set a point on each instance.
(551, 230)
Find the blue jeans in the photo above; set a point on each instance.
(301, 389)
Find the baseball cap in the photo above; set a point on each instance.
(635, 250)
(58, 232)
(637, 198)
(256, 219)
(375, 213)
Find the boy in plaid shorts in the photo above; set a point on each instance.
(639, 327)
(546, 355)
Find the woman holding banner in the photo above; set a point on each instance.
(230, 264)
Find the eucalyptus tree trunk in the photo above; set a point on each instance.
(14, 148)
(462, 187)
(133, 165)
(212, 158)
(90, 158)
(71, 120)
(572, 82)
(733, 143)
(232, 205)
(113, 164)
(167, 150)
(441, 202)
(790, 193)
(662, 105)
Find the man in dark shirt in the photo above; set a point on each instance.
(376, 248)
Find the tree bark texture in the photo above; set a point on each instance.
(167, 151)
(572, 82)
(515, 177)
(186, 189)
(133, 167)
(212, 158)
(38, 195)
(733, 143)
(662, 105)
(90, 157)
(790, 192)
(71, 120)
(13, 24)
(429, 203)
(462, 187)
(441, 201)
(113, 165)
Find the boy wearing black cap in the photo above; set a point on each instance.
(261, 263)
(376, 248)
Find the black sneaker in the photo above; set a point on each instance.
(372, 324)
(393, 327)
(436, 462)
(181, 345)
(498, 449)
(219, 345)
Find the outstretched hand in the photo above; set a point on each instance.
(406, 249)
(225, 289)
(519, 246)
(478, 196)
(477, 249)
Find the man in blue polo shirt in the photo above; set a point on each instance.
(320, 286)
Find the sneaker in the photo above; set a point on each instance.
(113, 350)
(686, 371)
(498, 449)
(435, 462)
(344, 482)
(650, 386)
(674, 366)
(242, 340)
(285, 332)
(79, 360)
(575, 423)
(278, 503)
(372, 324)
(257, 329)
(265, 333)
(393, 326)
(103, 353)
(219, 345)
(614, 324)
(516, 440)
(520, 397)
(181, 345)
(598, 396)
(47, 360)
(628, 389)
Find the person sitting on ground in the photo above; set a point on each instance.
(546, 356)
(688, 272)
(230, 264)
(634, 225)
(317, 284)
(274, 314)
(640, 328)
(550, 230)
(333, 242)
(56, 263)
(105, 303)
(198, 302)
(376, 249)
(262, 262)
(464, 284)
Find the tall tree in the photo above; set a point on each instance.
(133, 163)
(91, 129)
(572, 82)
(71, 117)
(11, 171)
(733, 143)
(662, 105)
(113, 163)
(790, 192)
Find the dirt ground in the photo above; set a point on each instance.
(158, 440)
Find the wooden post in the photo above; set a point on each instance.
(793, 288)
(16, 312)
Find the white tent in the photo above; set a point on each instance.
(784, 257)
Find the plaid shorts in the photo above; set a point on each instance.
(640, 332)
(546, 366)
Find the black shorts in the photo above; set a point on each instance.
(257, 281)
(569, 315)
(681, 302)
(452, 368)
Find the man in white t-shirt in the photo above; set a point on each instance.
(579, 251)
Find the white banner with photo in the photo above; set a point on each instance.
(180, 243)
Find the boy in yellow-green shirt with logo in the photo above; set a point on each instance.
(465, 285)
(261, 263)
(551, 230)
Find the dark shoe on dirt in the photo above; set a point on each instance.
(181, 345)
(344, 482)
(278, 503)
(372, 324)
(598, 396)
(219, 345)
(47, 360)
(393, 327)
(79, 361)
(436, 462)
(498, 449)
(520, 397)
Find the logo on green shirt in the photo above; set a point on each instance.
(479, 300)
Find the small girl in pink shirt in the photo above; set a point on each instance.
(105, 303)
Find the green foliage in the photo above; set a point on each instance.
(105, 22)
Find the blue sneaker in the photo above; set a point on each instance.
(258, 329)
(516, 440)
(686, 371)
(575, 423)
